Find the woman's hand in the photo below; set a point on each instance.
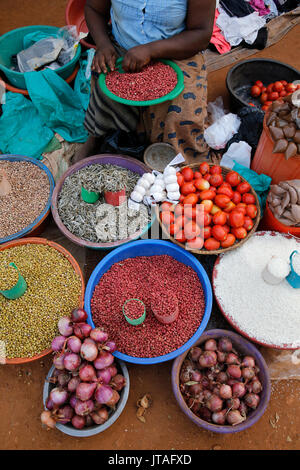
(103, 58)
(136, 58)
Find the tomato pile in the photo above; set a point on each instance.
(213, 211)
(272, 92)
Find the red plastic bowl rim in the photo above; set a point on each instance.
(228, 318)
(255, 414)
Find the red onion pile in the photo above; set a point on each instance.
(218, 384)
(86, 379)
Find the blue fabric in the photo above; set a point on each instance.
(22, 131)
(136, 22)
(58, 105)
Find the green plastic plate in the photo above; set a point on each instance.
(169, 96)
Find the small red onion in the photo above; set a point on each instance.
(89, 421)
(205, 414)
(113, 400)
(65, 414)
(58, 396)
(231, 382)
(89, 351)
(221, 356)
(47, 420)
(208, 359)
(78, 422)
(103, 394)
(85, 391)
(100, 416)
(214, 403)
(82, 330)
(207, 394)
(110, 346)
(58, 361)
(74, 344)
(238, 390)
(234, 371)
(219, 417)
(232, 358)
(195, 353)
(65, 326)
(225, 345)
(71, 361)
(49, 404)
(248, 373)
(195, 389)
(233, 403)
(243, 409)
(206, 383)
(112, 369)
(185, 376)
(63, 379)
(196, 376)
(73, 400)
(256, 386)
(222, 377)
(87, 373)
(58, 343)
(99, 335)
(104, 376)
(83, 408)
(234, 417)
(79, 315)
(73, 384)
(225, 391)
(104, 359)
(210, 345)
(252, 400)
(248, 361)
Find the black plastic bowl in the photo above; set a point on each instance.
(242, 77)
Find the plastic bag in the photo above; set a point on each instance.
(41, 53)
(216, 109)
(218, 134)
(53, 50)
(58, 105)
(82, 84)
(22, 131)
(239, 152)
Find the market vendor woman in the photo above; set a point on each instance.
(142, 31)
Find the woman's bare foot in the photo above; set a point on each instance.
(88, 149)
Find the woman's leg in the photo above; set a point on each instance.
(181, 122)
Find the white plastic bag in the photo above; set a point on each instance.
(239, 152)
(218, 134)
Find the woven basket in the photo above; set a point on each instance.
(221, 250)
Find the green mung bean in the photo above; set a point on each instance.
(8, 276)
(28, 324)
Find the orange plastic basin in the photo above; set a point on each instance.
(272, 164)
(269, 222)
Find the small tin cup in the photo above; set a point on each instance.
(134, 321)
(293, 278)
(89, 196)
(18, 289)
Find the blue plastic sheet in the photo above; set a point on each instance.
(22, 131)
(58, 105)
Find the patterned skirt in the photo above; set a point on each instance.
(180, 122)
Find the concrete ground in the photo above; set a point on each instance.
(166, 426)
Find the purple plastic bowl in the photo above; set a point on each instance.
(103, 159)
(244, 347)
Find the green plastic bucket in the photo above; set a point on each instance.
(11, 44)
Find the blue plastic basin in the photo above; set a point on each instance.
(151, 248)
(11, 44)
